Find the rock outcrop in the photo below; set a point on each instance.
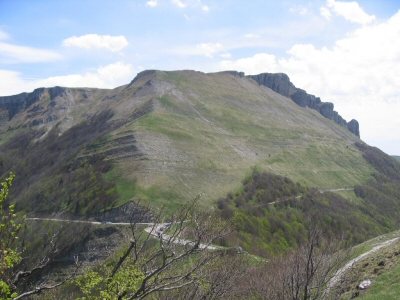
(280, 83)
(141, 75)
(354, 127)
(235, 73)
(12, 105)
(303, 99)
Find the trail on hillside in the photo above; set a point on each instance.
(337, 189)
(321, 191)
(335, 279)
(155, 229)
(83, 221)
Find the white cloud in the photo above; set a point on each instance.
(110, 76)
(209, 49)
(325, 13)
(20, 54)
(3, 35)
(252, 65)
(351, 11)
(152, 3)
(250, 35)
(299, 9)
(360, 74)
(226, 55)
(303, 11)
(89, 41)
(179, 3)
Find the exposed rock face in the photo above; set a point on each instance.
(338, 119)
(14, 104)
(327, 110)
(278, 82)
(281, 84)
(305, 100)
(353, 126)
(141, 75)
(236, 73)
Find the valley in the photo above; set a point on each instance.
(265, 161)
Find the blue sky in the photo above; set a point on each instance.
(345, 52)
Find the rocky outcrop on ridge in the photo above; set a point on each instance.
(280, 83)
(353, 126)
(12, 105)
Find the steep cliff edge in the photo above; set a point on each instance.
(280, 83)
(41, 106)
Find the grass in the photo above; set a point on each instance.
(386, 286)
(129, 190)
(208, 142)
(381, 267)
(205, 139)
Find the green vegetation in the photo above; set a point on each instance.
(96, 285)
(52, 178)
(272, 214)
(386, 286)
(9, 257)
(170, 136)
(396, 157)
(174, 134)
(381, 267)
(381, 195)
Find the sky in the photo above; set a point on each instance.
(344, 52)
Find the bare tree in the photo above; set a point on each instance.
(175, 256)
(304, 273)
(12, 269)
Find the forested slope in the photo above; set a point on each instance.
(273, 213)
(164, 138)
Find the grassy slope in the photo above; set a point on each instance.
(187, 132)
(386, 286)
(206, 131)
(396, 157)
(384, 276)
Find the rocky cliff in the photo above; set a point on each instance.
(280, 83)
(12, 105)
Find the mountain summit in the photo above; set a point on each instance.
(167, 136)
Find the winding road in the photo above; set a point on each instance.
(155, 229)
(334, 280)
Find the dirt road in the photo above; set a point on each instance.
(155, 230)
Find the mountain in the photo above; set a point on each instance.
(167, 136)
(281, 84)
(396, 157)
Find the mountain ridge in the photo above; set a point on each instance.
(278, 82)
(170, 135)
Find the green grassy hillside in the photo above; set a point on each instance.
(205, 132)
(273, 214)
(166, 137)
